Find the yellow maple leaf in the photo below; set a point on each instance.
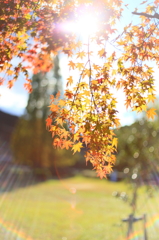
(82, 85)
(151, 98)
(71, 64)
(79, 44)
(77, 147)
(59, 121)
(96, 67)
(10, 72)
(20, 33)
(86, 93)
(69, 80)
(143, 107)
(102, 53)
(62, 102)
(64, 133)
(81, 54)
(76, 137)
(80, 66)
(87, 72)
(114, 72)
(151, 113)
(117, 122)
(22, 46)
(87, 101)
(115, 142)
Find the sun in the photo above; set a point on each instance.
(85, 25)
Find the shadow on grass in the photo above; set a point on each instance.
(13, 176)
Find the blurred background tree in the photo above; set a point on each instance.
(138, 146)
(44, 85)
(31, 143)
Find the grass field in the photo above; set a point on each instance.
(76, 208)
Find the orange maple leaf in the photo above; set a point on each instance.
(57, 143)
(68, 94)
(1, 81)
(48, 122)
(28, 87)
(151, 113)
(67, 144)
(86, 139)
(101, 173)
(54, 108)
(10, 83)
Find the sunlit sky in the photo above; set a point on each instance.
(14, 100)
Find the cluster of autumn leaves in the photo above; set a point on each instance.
(87, 115)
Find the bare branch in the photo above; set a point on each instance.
(156, 15)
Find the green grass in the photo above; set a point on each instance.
(54, 211)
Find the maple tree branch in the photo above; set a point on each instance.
(90, 77)
(78, 84)
(156, 15)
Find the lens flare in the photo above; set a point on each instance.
(85, 25)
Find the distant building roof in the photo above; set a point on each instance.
(7, 124)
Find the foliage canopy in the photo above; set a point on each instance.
(34, 30)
